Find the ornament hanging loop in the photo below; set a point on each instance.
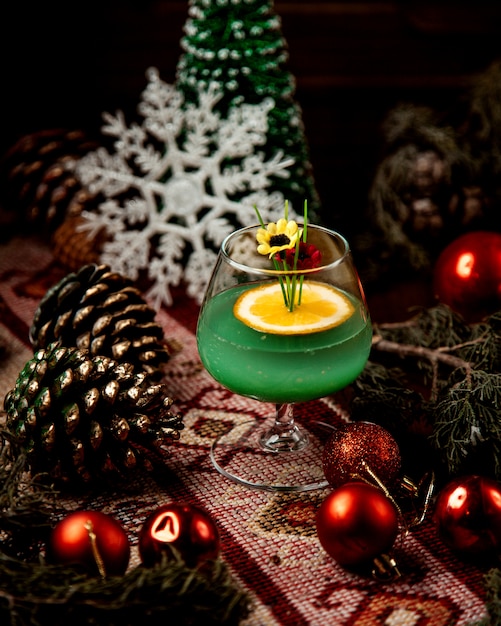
(427, 498)
(379, 483)
(385, 568)
(415, 491)
(95, 551)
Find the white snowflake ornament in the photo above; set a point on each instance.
(177, 184)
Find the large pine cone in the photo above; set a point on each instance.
(102, 312)
(38, 185)
(80, 419)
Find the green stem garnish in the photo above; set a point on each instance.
(305, 231)
(285, 243)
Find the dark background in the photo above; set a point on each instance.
(63, 65)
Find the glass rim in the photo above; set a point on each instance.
(273, 272)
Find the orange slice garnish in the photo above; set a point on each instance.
(322, 307)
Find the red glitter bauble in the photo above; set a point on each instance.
(92, 539)
(187, 528)
(468, 515)
(354, 447)
(467, 275)
(356, 523)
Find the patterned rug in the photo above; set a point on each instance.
(268, 540)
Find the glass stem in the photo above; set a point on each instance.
(285, 435)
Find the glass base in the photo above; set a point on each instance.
(252, 462)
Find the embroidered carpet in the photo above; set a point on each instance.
(268, 540)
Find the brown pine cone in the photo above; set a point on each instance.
(37, 182)
(83, 419)
(102, 312)
(71, 247)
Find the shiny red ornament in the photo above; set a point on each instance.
(187, 528)
(357, 447)
(467, 275)
(92, 539)
(356, 523)
(468, 515)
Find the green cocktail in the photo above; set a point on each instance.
(280, 368)
(282, 330)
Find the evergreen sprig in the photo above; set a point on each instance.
(492, 581)
(467, 428)
(438, 376)
(34, 593)
(27, 504)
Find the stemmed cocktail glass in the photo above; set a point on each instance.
(254, 343)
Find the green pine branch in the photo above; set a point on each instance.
(35, 593)
(492, 582)
(437, 375)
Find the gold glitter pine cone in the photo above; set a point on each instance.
(84, 419)
(102, 312)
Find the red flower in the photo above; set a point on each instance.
(309, 257)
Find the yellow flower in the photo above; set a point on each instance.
(277, 237)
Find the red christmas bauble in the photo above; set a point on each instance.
(187, 528)
(468, 515)
(356, 523)
(467, 275)
(76, 538)
(358, 443)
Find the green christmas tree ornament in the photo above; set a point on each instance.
(238, 45)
